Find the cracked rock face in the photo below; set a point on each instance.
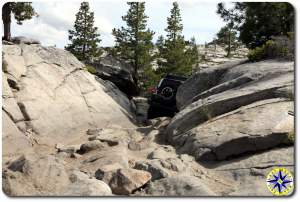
(251, 129)
(55, 97)
(239, 109)
(236, 119)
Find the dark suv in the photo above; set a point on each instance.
(163, 100)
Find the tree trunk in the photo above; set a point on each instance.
(229, 43)
(83, 51)
(6, 18)
(136, 56)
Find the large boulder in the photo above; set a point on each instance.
(249, 129)
(82, 185)
(126, 181)
(202, 81)
(103, 160)
(234, 109)
(116, 71)
(233, 76)
(47, 91)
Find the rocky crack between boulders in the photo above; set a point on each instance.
(111, 161)
(116, 161)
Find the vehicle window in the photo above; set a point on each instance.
(160, 82)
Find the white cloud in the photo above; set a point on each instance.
(60, 15)
(45, 33)
(56, 18)
(103, 24)
(192, 3)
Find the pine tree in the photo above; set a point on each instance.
(258, 22)
(176, 59)
(192, 53)
(84, 38)
(160, 43)
(134, 42)
(227, 36)
(233, 19)
(21, 11)
(175, 27)
(264, 20)
(222, 35)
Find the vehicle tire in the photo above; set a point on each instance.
(152, 112)
(155, 111)
(168, 94)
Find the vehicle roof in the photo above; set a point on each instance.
(175, 77)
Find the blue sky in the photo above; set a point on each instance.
(56, 17)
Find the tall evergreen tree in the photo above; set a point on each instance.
(134, 42)
(227, 36)
(175, 57)
(262, 20)
(232, 18)
(160, 43)
(84, 38)
(21, 11)
(192, 53)
(174, 28)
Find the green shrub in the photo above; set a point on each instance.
(280, 47)
(90, 69)
(256, 54)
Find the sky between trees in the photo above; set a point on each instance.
(56, 18)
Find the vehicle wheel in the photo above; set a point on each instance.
(167, 93)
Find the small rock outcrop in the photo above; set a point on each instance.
(24, 40)
(142, 106)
